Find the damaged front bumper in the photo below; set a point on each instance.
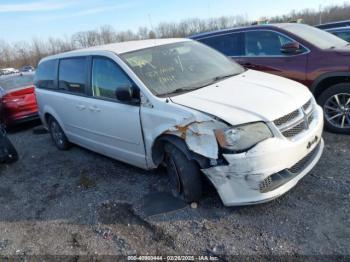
(269, 170)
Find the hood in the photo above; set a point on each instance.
(248, 97)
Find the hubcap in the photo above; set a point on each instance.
(337, 110)
(57, 133)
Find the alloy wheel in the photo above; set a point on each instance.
(337, 110)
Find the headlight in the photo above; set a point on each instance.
(242, 138)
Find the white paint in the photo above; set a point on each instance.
(128, 132)
(249, 97)
(238, 182)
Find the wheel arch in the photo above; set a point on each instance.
(158, 150)
(327, 80)
(49, 112)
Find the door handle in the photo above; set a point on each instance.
(80, 107)
(94, 108)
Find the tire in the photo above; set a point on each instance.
(58, 136)
(8, 153)
(336, 106)
(184, 174)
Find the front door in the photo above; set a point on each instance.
(114, 127)
(262, 52)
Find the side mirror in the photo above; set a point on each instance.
(124, 93)
(291, 48)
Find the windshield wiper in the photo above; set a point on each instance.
(182, 90)
(192, 88)
(219, 78)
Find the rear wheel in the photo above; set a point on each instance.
(58, 136)
(184, 174)
(335, 102)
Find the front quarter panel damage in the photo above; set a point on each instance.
(199, 136)
(193, 127)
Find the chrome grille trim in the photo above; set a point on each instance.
(293, 124)
(308, 107)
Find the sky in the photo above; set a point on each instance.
(27, 19)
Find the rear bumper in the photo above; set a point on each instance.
(11, 121)
(269, 170)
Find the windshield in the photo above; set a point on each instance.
(13, 82)
(315, 36)
(180, 67)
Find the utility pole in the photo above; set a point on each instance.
(320, 11)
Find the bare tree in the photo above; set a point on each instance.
(29, 53)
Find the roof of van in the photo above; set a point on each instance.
(124, 47)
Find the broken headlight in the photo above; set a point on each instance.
(244, 137)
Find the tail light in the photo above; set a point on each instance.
(17, 95)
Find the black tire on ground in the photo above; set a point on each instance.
(57, 135)
(184, 174)
(323, 100)
(8, 152)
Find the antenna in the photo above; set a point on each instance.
(150, 22)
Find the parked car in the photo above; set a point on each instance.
(342, 32)
(26, 69)
(340, 29)
(300, 52)
(181, 103)
(332, 25)
(8, 71)
(18, 99)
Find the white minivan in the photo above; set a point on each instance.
(182, 104)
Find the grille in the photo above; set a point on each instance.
(295, 130)
(266, 184)
(294, 123)
(310, 119)
(287, 118)
(298, 167)
(307, 106)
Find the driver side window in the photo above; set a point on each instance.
(264, 43)
(107, 77)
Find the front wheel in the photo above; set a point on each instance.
(335, 102)
(184, 174)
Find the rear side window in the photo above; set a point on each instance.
(46, 75)
(14, 82)
(229, 45)
(107, 77)
(72, 75)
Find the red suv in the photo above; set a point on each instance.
(300, 52)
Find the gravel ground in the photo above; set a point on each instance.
(81, 203)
